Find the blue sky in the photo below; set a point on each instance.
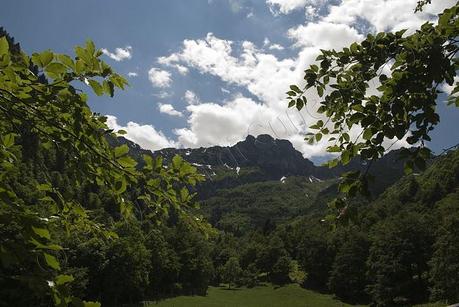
(208, 72)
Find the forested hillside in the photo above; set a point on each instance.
(266, 230)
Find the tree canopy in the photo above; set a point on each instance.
(42, 106)
(360, 118)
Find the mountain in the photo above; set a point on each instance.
(263, 158)
(264, 180)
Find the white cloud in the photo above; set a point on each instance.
(267, 44)
(159, 78)
(182, 69)
(267, 77)
(163, 95)
(169, 109)
(191, 97)
(276, 47)
(263, 74)
(389, 15)
(286, 6)
(132, 74)
(324, 35)
(120, 54)
(144, 135)
(214, 124)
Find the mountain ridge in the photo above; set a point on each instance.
(263, 158)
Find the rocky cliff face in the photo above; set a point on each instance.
(276, 158)
(263, 158)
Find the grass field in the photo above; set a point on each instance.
(263, 296)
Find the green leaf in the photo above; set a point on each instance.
(120, 186)
(52, 261)
(66, 60)
(55, 69)
(320, 91)
(344, 187)
(46, 57)
(296, 89)
(154, 183)
(148, 161)
(334, 148)
(177, 162)
(318, 137)
(127, 162)
(345, 157)
(184, 194)
(121, 150)
(44, 187)
(356, 117)
(354, 47)
(332, 163)
(96, 87)
(42, 232)
(90, 47)
(367, 134)
(63, 279)
(108, 88)
(83, 55)
(8, 140)
(4, 46)
(299, 104)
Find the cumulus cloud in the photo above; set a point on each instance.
(214, 124)
(159, 78)
(145, 135)
(225, 124)
(267, 44)
(132, 74)
(191, 98)
(276, 47)
(169, 109)
(263, 74)
(380, 14)
(324, 35)
(267, 77)
(286, 6)
(120, 54)
(182, 69)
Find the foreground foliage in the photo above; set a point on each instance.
(359, 119)
(49, 135)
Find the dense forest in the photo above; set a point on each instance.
(88, 217)
(397, 250)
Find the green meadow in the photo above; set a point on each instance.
(262, 296)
